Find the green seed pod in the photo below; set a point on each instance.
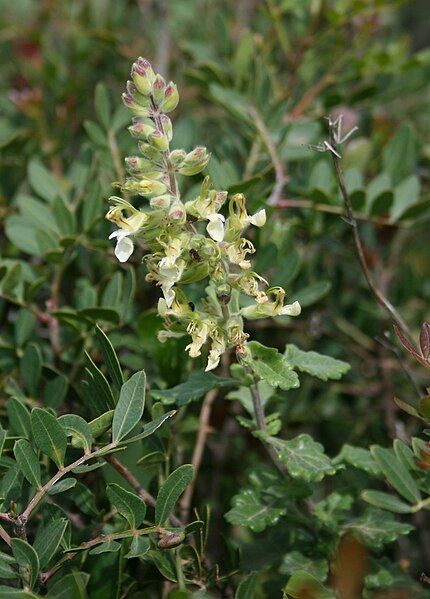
(171, 98)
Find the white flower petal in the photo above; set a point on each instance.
(169, 294)
(124, 248)
(293, 309)
(258, 219)
(215, 227)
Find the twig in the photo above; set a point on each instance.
(309, 205)
(281, 176)
(380, 297)
(205, 413)
(135, 484)
(310, 96)
(261, 424)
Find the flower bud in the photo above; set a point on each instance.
(171, 98)
(167, 126)
(195, 161)
(137, 97)
(158, 87)
(162, 201)
(151, 153)
(143, 76)
(177, 212)
(159, 141)
(134, 107)
(140, 167)
(142, 128)
(177, 157)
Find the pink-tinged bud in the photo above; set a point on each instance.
(159, 141)
(158, 88)
(177, 212)
(134, 107)
(171, 98)
(151, 153)
(143, 76)
(141, 129)
(167, 127)
(177, 157)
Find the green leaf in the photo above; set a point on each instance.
(110, 358)
(79, 429)
(6, 571)
(171, 490)
(293, 561)
(246, 588)
(63, 485)
(254, 512)
(139, 547)
(10, 486)
(101, 386)
(197, 385)
(150, 427)
(304, 458)
(129, 505)
(27, 560)
(312, 293)
(70, 586)
(95, 133)
(28, 462)
(49, 435)
(302, 584)
(396, 473)
(129, 409)
(48, 540)
(43, 182)
(95, 314)
(106, 547)
(315, 364)
(360, 458)
(24, 327)
(271, 366)
(101, 424)
(400, 154)
(376, 528)
(2, 438)
(19, 418)
(406, 194)
(385, 501)
(11, 593)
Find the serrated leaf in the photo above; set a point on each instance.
(304, 458)
(48, 540)
(396, 473)
(79, 429)
(315, 364)
(376, 528)
(49, 435)
(171, 490)
(385, 501)
(27, 560)
(129, 505)
(197, 385)
(129, 409)
(110, 358)
(254, 512)
(271, 366)
(28, 462)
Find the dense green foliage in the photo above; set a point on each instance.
(299, 465)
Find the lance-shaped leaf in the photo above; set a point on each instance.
(268, 364)
(376, 528)
(49, 435)
(304, 458)
(100, 385)
(110, 358)
(396, 473)
(71, 585)
(106, 547)
(130, 406)
(250, 509)
(19, 418)
(28, 462)
(63, 485)
(171, 490)
(79, 429)
(315, 364)
(129, 505)
(27, 560)
(150, 427)
(48, 540)
(101, 424)
(139, 546)
(385, 501)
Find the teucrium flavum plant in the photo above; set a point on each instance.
(191, 241)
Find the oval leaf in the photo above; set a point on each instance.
(171, 490)
(49, 435)
(130, 406)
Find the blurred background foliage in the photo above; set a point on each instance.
(256, 80)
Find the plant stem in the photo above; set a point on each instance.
(378, 294)
(261, 425)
